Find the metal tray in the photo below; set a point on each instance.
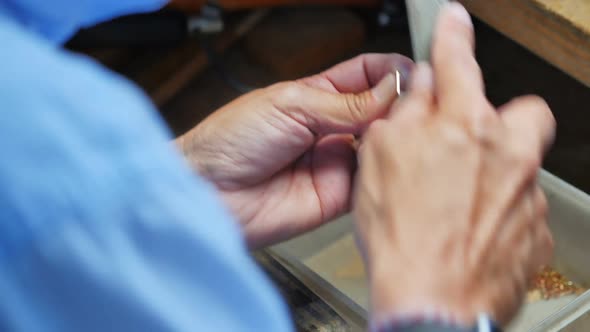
(328, 262)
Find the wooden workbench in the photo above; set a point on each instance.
(556, 30)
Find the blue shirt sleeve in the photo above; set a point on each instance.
(102, 225)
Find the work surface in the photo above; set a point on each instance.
(556, 30)
(331, 253)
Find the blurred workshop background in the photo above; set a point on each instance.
(194, 56)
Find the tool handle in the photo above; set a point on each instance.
(422, 15)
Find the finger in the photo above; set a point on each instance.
(545, 245)
(333, 166)
(541, 204)
(361, 73)
(533, 238)
(519, 222)
(542, 237)
(457, 74)
(319, 190)
(420, 97)
(327, 113)
(531, 122)
(541, 249)
(422, 85)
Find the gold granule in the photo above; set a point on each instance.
(550, 284)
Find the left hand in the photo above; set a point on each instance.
(282, 157)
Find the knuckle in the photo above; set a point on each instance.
(534, 102)
(442, 56)
(542, 204)
(463, 34)
(449, 57)
(549, 244)
(356, 105)
(375, 136)
(484, 123)
(540, 105)
(376, 131)
(361, 57)
(529, 163)
(543, 209)
(470, 64)
(456, 137)
(287, 91)
(456, 40)
(545, 244)
(524, 159)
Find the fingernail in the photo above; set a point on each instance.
(459, 13)
(386, 88)
(405, 70)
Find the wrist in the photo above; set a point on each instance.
(397, 290)
(427, 322)
(186, 144)
(179, 144)
(422, 310)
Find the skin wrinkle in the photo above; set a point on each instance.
(356, 106)
(254, 223)
(326, 75)
(249, 216)
(243, 210)
(226, 159)
(474, 213)
(524, 231)
(323, 205)
(200, 155)
(258, 219)
(314, 185)
(327, 78)
(305, 162)
(303, 123)
(366, 72)
(377, 210)
(518, 192)
(232, 185)
(305, 132)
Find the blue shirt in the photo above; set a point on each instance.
(102, 225)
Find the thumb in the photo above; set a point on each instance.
(328, 113)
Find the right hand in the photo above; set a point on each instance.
(449, 215)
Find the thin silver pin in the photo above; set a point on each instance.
(398, 83)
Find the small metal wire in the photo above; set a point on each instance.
(398, 84)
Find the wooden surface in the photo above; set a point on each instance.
(298, 42)
(195, 5)
(241, 4)
(556, 30)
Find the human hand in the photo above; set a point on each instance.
(282, 157)
(448, 213)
